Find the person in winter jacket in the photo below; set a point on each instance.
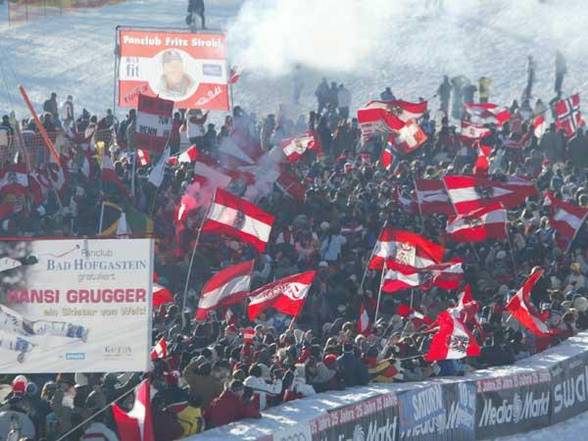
(352, 369)
(260, 387)
(195, 8)
(444, 92)
(200, 380)
(484, 89)
(344, 101)
(50, 106)
(231, 406)
(165, 424)
(322, 95)
(561, 68)
(189, 415)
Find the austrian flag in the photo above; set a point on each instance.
(286, 295)
(523, 310)
(482, 224)
(238, 218)
(453, 341)
(294, 148)
(566, 219)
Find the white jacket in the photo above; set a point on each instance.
(98, 432)
(262, 389)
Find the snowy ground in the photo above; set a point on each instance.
(570, 430)
(367, 44)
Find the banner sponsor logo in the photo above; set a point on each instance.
(570, 391)
(422, 413)
(521, 407)
(461, 413)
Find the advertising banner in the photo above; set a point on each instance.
(460, 405)
(512, 404)
(187, 68)
(75, 305)
(154, 123)
(374, 419)
(569, 388)
(422, 413)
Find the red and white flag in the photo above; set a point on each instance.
(235, 74)
(473, 132)
(158, 172)
(539, 126)
(469, 193)
(294, 148)
(568, 115)
(363, 323)
(482, 163)
(432, 197)
(487, 113)
(154, 123)
(478, 225)
(446, 275)
(14, 179)
(466, 309)
(227, 287)
(523, 310)
(289, 184)
(159, 351)
(286, 295)
(405, 248)
(388, 158)
(452, 341)
(210, 175)
(566, 219)
(238, 218)
(377, 116)
(108, 175)
(407, 111)
(137, 424)
(161, 295)
(189, 155)
(409, 137)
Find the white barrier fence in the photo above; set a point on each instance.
(536, 392)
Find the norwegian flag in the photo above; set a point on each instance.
(406, 249)
(452, 341)
(295, 147)
(566, 219)
(388, 158)
(487, 113)
(238, 218)
(523, 310)
(539, 126)
(227, 287)
(161, 295)
(363, 323)
(471, 133)
(377, 116)
(286, 295)
(568, 115)
(432, 197)
(144, 157)
(409, 138)
(469, 193)
(108, 175)
(482, 163)
(159, 351)
(483, 224)
(14, 179)
(189, 155)
(446, 275)
(137, 424)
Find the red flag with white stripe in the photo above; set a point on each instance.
(159, 351)
(432, 197)
(523, 310)
(482, 163)
(446, 275)
(137, 424)
(108, 174)
(377, 116)
(14, 179)
(487, 113)
(471, 132)
(539, 126)
(238, 218)
(187, 156)
(227, 287)
(566, 219)
(407, 111)
(405, 248)
(154, 123)
(478, 225)
(453, 341)
(409, 137)
(363, 323)
(161, 295)
(286, 295)
(294, 148)
(469, 193)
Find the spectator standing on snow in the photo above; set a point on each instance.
(67, 112)
(50, 106)
(195, 8)
(387, 95)
(298, 83)
(484, 89)
(344, 101)
(444, 92)
(531, 68)
(561, 68)
(322, 95)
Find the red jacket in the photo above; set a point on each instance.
(227, 408)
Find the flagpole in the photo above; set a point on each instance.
(134, 170)
(370, 258)
(514, 264)
(380, 293)
(100, 225)
(191, 264)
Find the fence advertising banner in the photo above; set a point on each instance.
(374, 419)
(569, 388)
(512, 404)
(422, 413)
(187, 68)
(75, 305)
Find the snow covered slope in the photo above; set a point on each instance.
(574, 429)
(366, 44)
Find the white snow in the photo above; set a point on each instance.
(570, 430)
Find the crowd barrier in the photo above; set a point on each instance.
(539, 391)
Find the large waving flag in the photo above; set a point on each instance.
(568, 115)
(487, 113)
(453, 341)
(137, 424)
(566, 219)
(295, 147)
(483, 224)
(447, 275)
(523, 310)
(225, 288)
(286, 295)
(238, 218)
(432, 197)
(406, 249)
(469, 193)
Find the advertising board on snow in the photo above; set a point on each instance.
(569, 388)
(187, 68)
(75, 305)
